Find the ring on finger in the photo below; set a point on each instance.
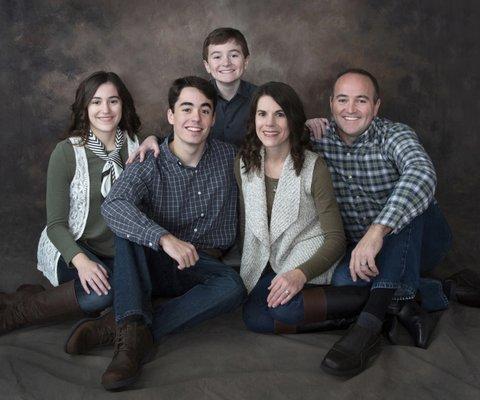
(287, 292)
(363, 263)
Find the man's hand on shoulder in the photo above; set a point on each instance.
(317, 127)
(182, 252)
(149, 144)
(362, 261)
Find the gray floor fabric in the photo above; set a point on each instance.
(221, 360)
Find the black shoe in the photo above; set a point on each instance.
(418, 323)
(352, 353)
(464, 287)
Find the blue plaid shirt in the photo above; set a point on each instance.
(161, 195)
(385, 177)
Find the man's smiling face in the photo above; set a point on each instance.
(354, 104)
(192, 116)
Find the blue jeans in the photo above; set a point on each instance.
(418, 248)
(258, 317)
(89, 303)
(201, 292)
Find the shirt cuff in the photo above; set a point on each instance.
(151, 237)
(390, 217)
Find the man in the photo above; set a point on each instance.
(384, 183)
(173, 216)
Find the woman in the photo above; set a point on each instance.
(291, 227)
(76, 251)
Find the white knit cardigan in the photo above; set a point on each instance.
(47, 253)
(295, 233)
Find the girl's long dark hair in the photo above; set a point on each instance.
(292, 106)
(80, 124)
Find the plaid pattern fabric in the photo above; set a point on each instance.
(161, 195)
(385, 177)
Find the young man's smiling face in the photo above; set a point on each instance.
(354, 104)
(226, 62)
(192, 117)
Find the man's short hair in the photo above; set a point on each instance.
(196, 82)
(363, 72)
(224, 35)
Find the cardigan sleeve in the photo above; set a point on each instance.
(61, 169)
(330, 220)
(241, 203)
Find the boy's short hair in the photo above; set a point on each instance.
(224, 35)
(196, 82)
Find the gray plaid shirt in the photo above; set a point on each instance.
(161, 195)
(385, 177)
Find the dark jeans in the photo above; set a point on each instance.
(89, 303)
(203, 291)
(418, 248)
(258, 317)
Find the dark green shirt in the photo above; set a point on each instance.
(61, 169)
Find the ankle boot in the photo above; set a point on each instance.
(133, 347)
(91, 332)
(22, 291)
(40, 307)
(328, 308)
(418, 323)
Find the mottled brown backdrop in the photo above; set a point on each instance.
(424, 53)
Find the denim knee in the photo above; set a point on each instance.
(92, 303)
(232, 290)
(255, 319)
(292, 313)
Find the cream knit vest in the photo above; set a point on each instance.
(47, 253)
(294, 234)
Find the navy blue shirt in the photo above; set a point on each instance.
(231, 116)
(161, 195)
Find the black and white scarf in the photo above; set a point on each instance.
(113, 163)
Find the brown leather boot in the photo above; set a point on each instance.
(22, 292)
(40, 307)
(328, 308)
(133, 348)
(91, 332)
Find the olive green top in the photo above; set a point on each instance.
(328, 215)
(61, 169)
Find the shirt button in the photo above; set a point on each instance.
(202, 214)
(348, 154)
(150, 244)
(128, 235)
(195, 230)
(349, 176)
(199, 193)
(179, 163)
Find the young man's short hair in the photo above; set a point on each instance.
(196, 82)
(224, 35)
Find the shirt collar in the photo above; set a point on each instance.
(170, 157)
(365, 137)
(242, 90)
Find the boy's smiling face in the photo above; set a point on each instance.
(226, 62)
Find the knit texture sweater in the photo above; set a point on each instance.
(305, 228)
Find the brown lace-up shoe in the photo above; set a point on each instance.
(133, 348)
(91, 332)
